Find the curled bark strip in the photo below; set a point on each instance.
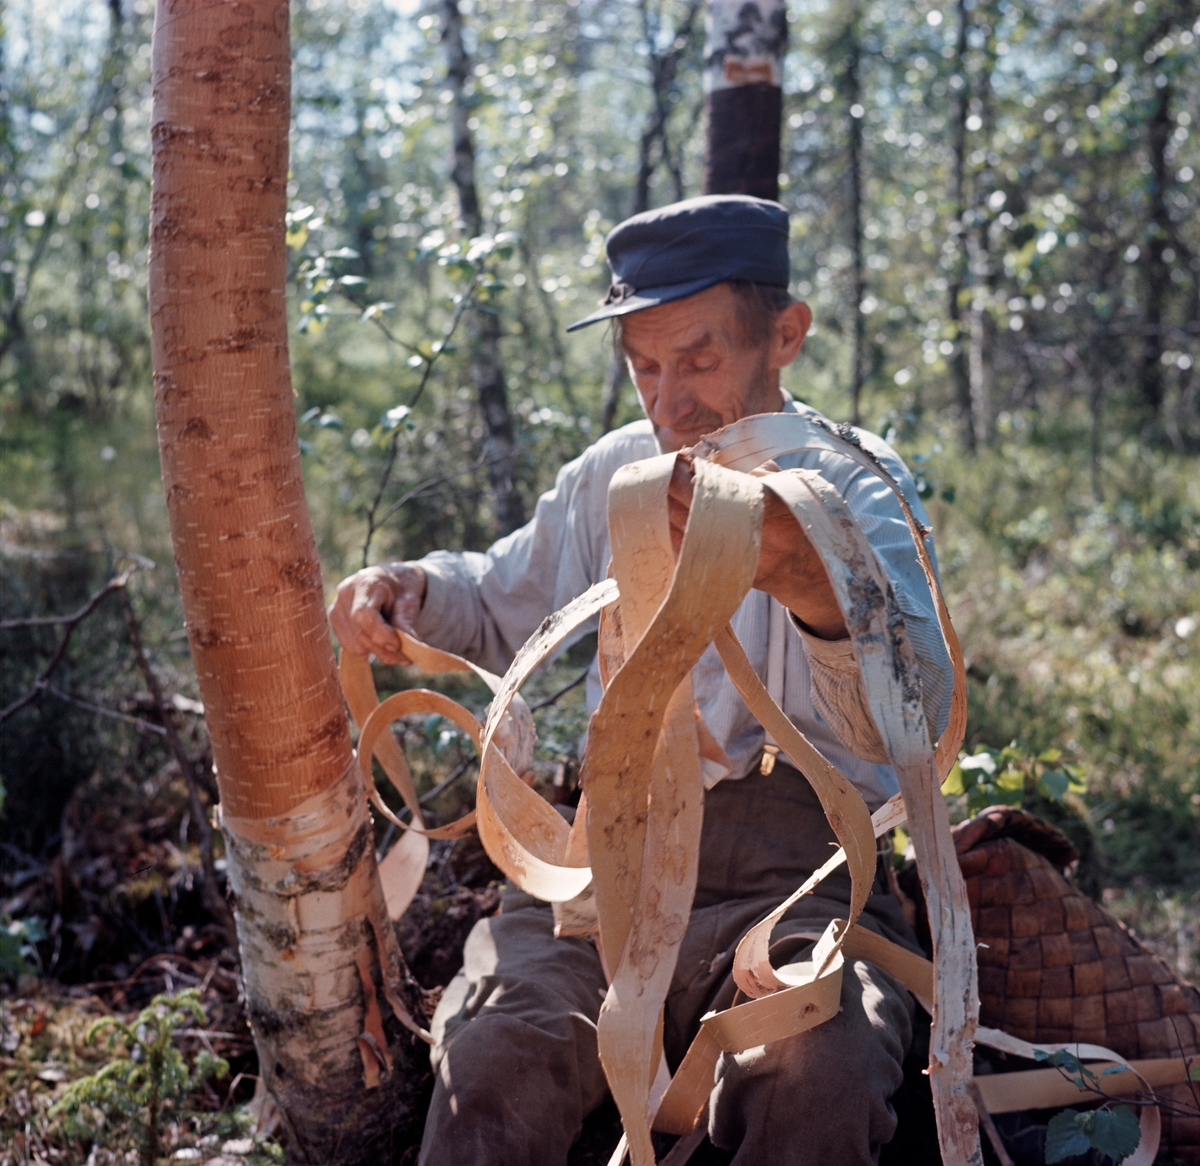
(526, 837)
(809, 994)
(754, 440)
(892, 685)
(641, 768)
(842, 803)
(374, 730)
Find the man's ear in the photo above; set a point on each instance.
(790, 327)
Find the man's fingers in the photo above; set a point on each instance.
(681, 486)
(371, 605)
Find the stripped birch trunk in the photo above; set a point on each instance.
(315, 944)
(743, 79)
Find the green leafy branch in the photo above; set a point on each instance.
(138, 1088)
(469, 262)
(1113, 1128)
(1008, 776)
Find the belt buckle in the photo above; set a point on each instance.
(767, 764)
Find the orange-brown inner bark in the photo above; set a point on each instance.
(248, 567)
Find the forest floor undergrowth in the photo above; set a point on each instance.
(127, 922)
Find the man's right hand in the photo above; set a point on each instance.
(372, 603)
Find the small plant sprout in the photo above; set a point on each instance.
(136, 1091)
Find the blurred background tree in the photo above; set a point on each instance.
(994, 217)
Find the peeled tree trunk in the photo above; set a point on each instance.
(325, 984)
(743, 82)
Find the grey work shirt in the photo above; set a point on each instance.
(486, 605)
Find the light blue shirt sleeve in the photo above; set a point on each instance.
(485, 605)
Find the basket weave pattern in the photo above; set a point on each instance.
(1056, 967)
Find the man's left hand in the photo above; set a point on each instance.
(789, 568)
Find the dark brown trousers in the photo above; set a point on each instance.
(516, 1057)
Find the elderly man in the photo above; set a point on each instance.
(699, 299)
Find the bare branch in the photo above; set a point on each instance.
(72, 622)
(429, 483)
(549, 700)
(166, 711)
(393, 446)
(142, 725)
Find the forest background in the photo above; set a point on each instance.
(994, 218)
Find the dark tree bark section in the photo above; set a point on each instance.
(959, 367)
(487, 372)
(742, 152)
(1157, 275)
(858, 373)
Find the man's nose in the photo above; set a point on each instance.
(674, 399)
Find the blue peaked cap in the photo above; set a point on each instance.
(684, 248)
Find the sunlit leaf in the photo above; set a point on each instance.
(296, 236)
(1054, 784)
(981, 762)
(1011, 779)
(394, 417)
(953, 785)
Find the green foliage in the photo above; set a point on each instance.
(18, 950)
(147, 1078)
(1009, 776)
(1081, 634)
(1113, 1132)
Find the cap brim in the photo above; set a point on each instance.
(650, 297)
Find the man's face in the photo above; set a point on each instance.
(693, 370)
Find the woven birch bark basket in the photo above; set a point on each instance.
(1054, 966)
(625, 870)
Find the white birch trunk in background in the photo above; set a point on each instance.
(743, 81)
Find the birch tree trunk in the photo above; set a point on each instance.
(664, 69)
(743, 66)
(959, 366)
(858, 368)
(983, 274)
(487, 373)
(312, 928)
(1156, 272)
